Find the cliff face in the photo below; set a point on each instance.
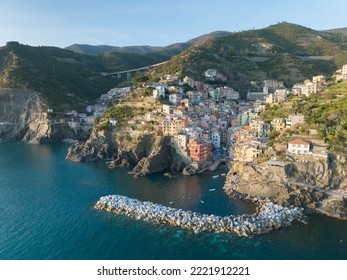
(319, 186)
(161, 158)
(146, 153)
(23, 117)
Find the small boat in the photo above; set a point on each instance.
(223, 174)
(171, 202)
(215, 176)
(202, 201)
(212, 190)
(168, 174)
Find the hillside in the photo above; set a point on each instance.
(172, 49)
(338, 30)
(324, 111)
(284, 51)
(327, 113)
(65, 79)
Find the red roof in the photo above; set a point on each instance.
(299, 142)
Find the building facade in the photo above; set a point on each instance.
(200, 149)
(298, 147)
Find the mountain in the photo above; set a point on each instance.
(173, 49)
(284, 51)
(338, 30)
(66, 79)
(99, 49)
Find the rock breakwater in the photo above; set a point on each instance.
(268, 216)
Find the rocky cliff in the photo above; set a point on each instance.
(23, 116)
(320, 185)
(146, 153)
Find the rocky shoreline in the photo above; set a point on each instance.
(247, 183)
(268, 216)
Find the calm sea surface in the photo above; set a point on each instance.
(46, 212)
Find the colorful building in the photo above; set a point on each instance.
(200, 149)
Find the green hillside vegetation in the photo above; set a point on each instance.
(327, 113)
(66, 79)
(119, 113)
(118, 61)
(284, 51)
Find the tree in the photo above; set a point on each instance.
(140, 79)
(274, 134)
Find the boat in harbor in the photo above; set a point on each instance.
(212, 190)
(202, 201)
(215, 176)
(171, 202)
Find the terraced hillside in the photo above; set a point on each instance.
(284, 51)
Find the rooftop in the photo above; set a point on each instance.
(298, 142)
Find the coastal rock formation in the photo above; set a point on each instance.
(268, 216)
(99, 145)
(159, 159)
(23, 116)
(146, 153)
(313, 185)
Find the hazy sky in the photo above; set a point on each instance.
(153, 22)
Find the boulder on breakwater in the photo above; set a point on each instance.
(269, 216)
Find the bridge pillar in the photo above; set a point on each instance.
(119, 75)
(128, 75)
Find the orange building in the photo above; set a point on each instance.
(200, 150)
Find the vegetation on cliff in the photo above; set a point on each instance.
(66, 79)
(324, 112)
(327, 113)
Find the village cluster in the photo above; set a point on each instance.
(208, 122)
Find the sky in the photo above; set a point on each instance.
(153, 22)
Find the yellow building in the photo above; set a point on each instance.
(278, 124)
(173, 125)
(246, 152)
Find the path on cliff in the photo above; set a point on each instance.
(339, 194)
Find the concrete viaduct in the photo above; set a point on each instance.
(130, 72)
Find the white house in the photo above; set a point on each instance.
(159, 91)
(113, 122)
(298, 147)
(90, 120)
(344, 69)
(215, 139)
(211, 74)
(175, 98)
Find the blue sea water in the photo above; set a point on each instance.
(46, 212)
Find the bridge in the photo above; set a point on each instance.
(20, 123)
(132, 71)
